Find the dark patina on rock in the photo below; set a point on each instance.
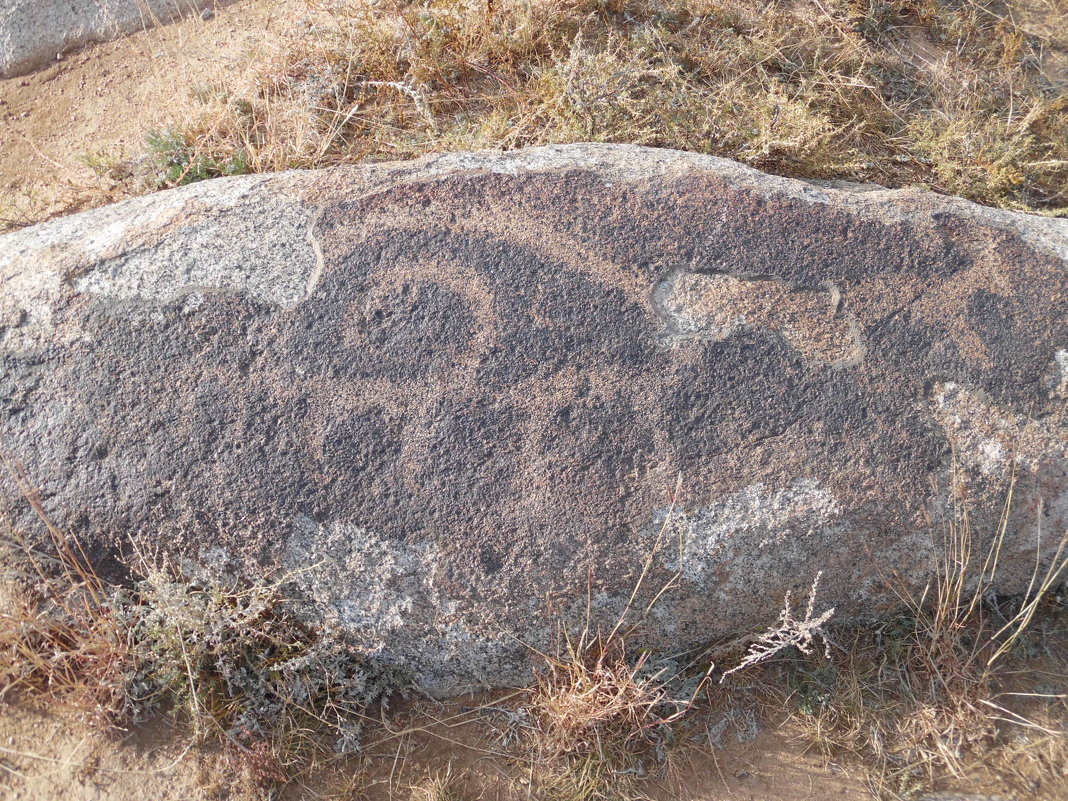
(449, 392)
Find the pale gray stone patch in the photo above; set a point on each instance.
(1059, 380)
(694, 541)
(160, 247)
(274, 266)
(990, 439)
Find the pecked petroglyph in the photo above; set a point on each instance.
(712, 306)
(447, 398)
(992, 439)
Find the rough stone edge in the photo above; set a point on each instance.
(88, 237)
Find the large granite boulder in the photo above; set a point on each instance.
(34, 32)
(465, 397)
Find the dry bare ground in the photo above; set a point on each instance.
(964, 96)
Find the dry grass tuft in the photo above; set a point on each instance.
(60, 633)
(956, 95)
(948, 689)
(229, 659)
(597, 721)
(442, 786)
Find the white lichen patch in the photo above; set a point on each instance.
(368, 584)
(1059, 380)
(385, 594)
(990, 439)
(693, 541)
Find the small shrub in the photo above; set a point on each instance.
(230, 658)
(179, 163)
(790, 633)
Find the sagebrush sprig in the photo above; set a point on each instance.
(789, 632)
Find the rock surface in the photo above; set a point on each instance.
(469, 396)
(34, 32)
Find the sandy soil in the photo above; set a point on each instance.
(58, 758)
(45, 757)
(94, 107)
